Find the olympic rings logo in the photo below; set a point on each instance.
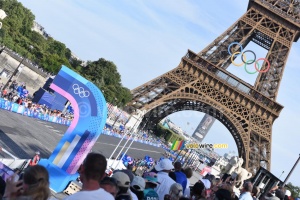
(249, 62)
(80, 91)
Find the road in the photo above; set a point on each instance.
(22, 136)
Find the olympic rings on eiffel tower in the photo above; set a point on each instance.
(248, 62)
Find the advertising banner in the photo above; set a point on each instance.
(203, 127)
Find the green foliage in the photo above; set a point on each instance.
(295, 190)
(50, 54)
(167, 134)
(105, 75)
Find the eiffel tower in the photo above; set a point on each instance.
(201, 82)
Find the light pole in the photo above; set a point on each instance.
(117, 119)
(288, 176)
(124, 145)
(13, 74)
(281, 174)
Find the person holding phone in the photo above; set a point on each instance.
(34, 185)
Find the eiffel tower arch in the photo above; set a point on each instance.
(201, 82)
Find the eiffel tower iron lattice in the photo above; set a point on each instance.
(201, 82)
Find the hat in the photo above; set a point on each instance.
(122, 179)
(151, 177)
(37, 153)
(288, 193)
(138, 183)
(128, 172)
(206, 183)
(164, 164)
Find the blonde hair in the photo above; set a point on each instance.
(37, 179)
(176, 191)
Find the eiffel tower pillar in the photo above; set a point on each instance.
(201, 82)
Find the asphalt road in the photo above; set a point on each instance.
(22, 136)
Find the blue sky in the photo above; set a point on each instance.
(148, 38)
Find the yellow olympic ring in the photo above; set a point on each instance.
(238, 65)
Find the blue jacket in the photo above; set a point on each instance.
(181, 179)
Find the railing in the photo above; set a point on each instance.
(26, 63)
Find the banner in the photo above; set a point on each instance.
(90, 114)
(203, 127)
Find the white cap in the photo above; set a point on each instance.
(140, 182)
(164, 164)
(206, 183)
(288, 193)
(122, 179)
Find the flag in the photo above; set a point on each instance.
(178, 145)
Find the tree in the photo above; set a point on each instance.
(167, 134)
(50, 54)
(295, 190)
(105, 75)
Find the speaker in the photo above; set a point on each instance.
(265, 180)
(47, 85)
(73, 187)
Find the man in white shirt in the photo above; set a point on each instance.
(163, 168)
(92, 171)
(246, 191)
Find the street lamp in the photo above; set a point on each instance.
(281, 174)
(288, 176)
(13, 74)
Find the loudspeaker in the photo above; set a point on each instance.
(73, 187)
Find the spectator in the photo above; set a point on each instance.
(255, 192)
(2, 187)
(198, 191)
(206, 183)
(288, 195)
(91, 172)
(280, 193)
(151, 184)
(131, 176)
(246, 191)
(178, 176)
(123, 182)
(208, 180)
(163, 168)
(34, 161)
(175, 193)
(35, 185)
(223, 194)
(4, 93)
(110, 185)
(137, 186)
(189, 173)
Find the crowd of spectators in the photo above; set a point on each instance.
(165, 181)
(17, 93)
(141, 137)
